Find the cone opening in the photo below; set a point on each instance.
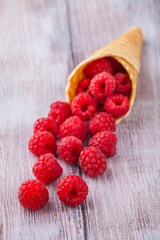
(118, 66)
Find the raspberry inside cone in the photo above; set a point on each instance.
(83, 106)
(117, 105)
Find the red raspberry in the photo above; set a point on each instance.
(105, 141)
(97, 66)
(72, 190)
(116, 66)
(83, 106)
(41, 143)
(47, 169)
(73, 126)
(117, 105)
(46, 124)
(60, 111)
(33, 194)
(93, 161)
(101, 122)
(103, 84)
(83, 85)
(123, 84)
(69, 149)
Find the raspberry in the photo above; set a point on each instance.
(116, 66)
(47, 169)
(69, 149)
(46, 124)
(103, 84)
(97, 66)
(72, 190)
(83, 85)
(73, 126)
(42, 143)
(33, 194)
(101, 122)
(83, 106)
(105, 141)
(100, 105)
(60, 111)
(123, 84)
(93, 161)
(117, 105)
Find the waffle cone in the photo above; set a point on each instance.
(126, 50)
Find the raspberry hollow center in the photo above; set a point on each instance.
(102, 87)
(118, 103)
(84, 107)
(74, 152)
(49, 129)
(47, 146)
(73, 193)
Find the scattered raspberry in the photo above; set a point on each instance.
(83, 85)
(60, 111)
(42, 143)
(46, 124)
(97, 66)
(69, 149)
(73, 126)
(117, 105)
(83, 106)
(102, 84)
(116, 66)
(93, 161)
(100, 105)
(72, 190)
(47, 169)
(105, 141)
(101, 122)
(33, 194)
(123, 84)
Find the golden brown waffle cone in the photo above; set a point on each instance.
(126, 50)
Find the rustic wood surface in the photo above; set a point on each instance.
(40, 43)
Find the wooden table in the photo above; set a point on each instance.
(41, 42)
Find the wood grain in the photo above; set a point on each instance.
(41, 42)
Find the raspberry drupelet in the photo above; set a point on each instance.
(41, 143)
(46, 124)
(97, 66)
(83, 106)
(60, 111)
(102, 85)
(105, 141)
(117, 105)
(33, 194)
(93, 162)
(46, 169)
(73, 126)
(72, 190)
(69, 149)
(101, 122)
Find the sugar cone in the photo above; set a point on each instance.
(126, 50)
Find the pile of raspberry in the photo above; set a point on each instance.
(101, 97)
